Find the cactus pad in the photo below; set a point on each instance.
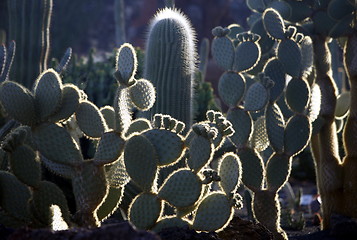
(168, 145)
(18, 102)
(48, 93)
(17, 196)
(265, 42)
(223, 52)
(56, 144)
(253, 166)
(141, 164)
(234, 30)
(289, 54)
(230, 171)
(275, 125)
(297, 94)
(138, 126)
(274, 24)
(277, 171)
(144, 210)
(25, 165)
(266, 210)
(213, 213)
(63, 170)
(259, 139)
(274, 69)
(117, 175)
(256, 97)
(231, 88)
(90, 120)
(307, 55)
(109, 148)
(109, 116)
(247, 52)
(142, 94)
(242, 125)
(201, 153)
(111, 203)
(256, 5)
(126, 63)
(297, 134)
(69, 103)
(181, 189)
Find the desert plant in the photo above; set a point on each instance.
(45, 110)
(323, 21)
(172, 74)
(255, 113)
(187, 189)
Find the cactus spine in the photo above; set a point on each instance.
(170, 64)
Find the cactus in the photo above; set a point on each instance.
(185, 189)
(255, 112)
(51, 141)
(171, 72)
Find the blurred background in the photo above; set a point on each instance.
(83, 24)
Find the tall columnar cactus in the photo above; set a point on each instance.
(255, 113)
(46, 109)
(170, 64)
(324, 21)
(29, 23)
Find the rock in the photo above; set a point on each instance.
(247, 230)
(343, 227)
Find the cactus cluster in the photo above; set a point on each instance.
(187, 189)
(172, 74)
(262, 130)
(325, 22)
(48, 113)
(54, 116)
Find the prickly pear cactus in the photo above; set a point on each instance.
(57, 115)
(185, 189)
(255, 112)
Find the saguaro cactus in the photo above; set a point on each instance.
(170, 64)
(29, 27)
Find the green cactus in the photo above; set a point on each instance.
(183, 189)
(57, 147)
(256, 117)
(29, 26)
(171, 72)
